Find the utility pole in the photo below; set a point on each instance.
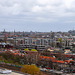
(65, 66)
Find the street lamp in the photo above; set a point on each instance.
(65, 67)
(70, 66)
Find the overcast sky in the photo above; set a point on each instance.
(37, 15)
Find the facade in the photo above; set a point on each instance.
(39, 39)
(36, 43)
(40, 43)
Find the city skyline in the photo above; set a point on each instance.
(37, 15)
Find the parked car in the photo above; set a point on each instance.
(51, 71)
(5, 71)
(62, 70)
(65, 71)
(48, 68)
(73, 71)
(43, 69)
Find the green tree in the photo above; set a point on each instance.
(34, 50)
(60, 42)
(26, 49)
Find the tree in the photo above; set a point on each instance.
(50, 64)
(32, 58)
(60, 41)
(34, 50)
(30, 69)
(26, 49)
(61, 56)
(46, 53)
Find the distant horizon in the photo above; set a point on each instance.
(32, 31)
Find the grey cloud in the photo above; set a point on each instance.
(38, 10)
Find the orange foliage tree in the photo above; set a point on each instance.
(30, 69)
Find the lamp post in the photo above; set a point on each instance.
(53, 69)
(65, 67)
(70, 66)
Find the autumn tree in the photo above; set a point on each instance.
(34, 50)
(30, 69)
(26, 49)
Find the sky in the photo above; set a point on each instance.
(37, 15)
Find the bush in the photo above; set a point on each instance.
(34, 50)
(30, 69)
(26, 49)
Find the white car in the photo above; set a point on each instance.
(43, 69)
(5, 71)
